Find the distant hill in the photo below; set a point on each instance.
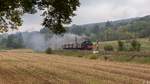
(106, 31)
(113, 30)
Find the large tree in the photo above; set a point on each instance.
(56, 13)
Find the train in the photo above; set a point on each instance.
(85, 45)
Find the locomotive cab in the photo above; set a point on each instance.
(87, 45)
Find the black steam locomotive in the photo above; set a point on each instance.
(85, 45)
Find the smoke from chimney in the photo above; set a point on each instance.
(40, 42)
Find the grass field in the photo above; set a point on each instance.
(142, 57)
(145, 44)
(27, 67)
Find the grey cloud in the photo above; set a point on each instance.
(92, 11)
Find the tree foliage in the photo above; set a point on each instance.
(11, 41)
(135, 45)
(11, 12)
(55, 13)
(108, 48)
(121, 46)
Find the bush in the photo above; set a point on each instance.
(48, 51)
(93, 57)
(80, 55)
(108, 48)
(135, 46)
(121, 46)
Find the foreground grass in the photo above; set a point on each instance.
(27, 67)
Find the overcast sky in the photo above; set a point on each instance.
(93, 11)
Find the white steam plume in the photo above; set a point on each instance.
(40, 42)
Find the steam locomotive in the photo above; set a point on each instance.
(85, 45)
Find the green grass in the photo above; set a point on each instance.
(94, 57)
(140, 57)
(141, 60)
(145, 44)
(120, 58)
(74, 53)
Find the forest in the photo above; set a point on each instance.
(115, 30)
